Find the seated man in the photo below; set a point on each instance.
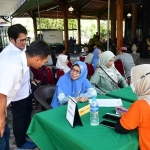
(127, 60)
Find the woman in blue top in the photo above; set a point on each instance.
(95, 58)
(75, 84)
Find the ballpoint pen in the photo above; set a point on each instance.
(119, 109)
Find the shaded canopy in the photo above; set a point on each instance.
(87, 9)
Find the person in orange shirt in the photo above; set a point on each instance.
(138, 115)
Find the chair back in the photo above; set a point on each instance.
(59, 73)
(50, 76)
(120, 67)
(90, 68)
(42, 75)
(44, 95)
(69, 64)
(82, 58)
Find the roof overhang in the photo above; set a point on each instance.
(88, 9)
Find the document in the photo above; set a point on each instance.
(108, 102)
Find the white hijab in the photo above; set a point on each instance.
(141, 85)
(61, 63)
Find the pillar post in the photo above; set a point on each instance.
(113, 20)
(119, 24)
(79, 28)
(35, 27)
(134, 20)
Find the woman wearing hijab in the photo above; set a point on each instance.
(75, 84)
(138, 115)
(62, 60)
(107, 78)
(96, 54)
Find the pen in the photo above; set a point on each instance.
(121, 110)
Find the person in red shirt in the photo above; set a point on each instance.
(138, 115)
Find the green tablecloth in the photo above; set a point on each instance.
(125, 94)
(50, 131)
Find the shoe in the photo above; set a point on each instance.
(27, 145)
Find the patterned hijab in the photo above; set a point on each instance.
(111, 71)
(141, 81)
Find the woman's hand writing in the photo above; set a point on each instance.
(121, 110)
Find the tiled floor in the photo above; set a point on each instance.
(73, 58)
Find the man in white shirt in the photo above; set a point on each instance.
(13, 67)
(21, 105)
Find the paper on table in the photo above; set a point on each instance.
(108, 102)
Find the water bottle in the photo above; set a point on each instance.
(94, 112)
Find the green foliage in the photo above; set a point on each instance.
(50, 23)
(72, 24)
(55, 24)
(88, 27)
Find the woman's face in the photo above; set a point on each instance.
(75, 72)
(110, 63)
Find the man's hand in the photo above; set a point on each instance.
(2, 127)
(3, 111)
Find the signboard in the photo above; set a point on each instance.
(53, 37)
(72, 114)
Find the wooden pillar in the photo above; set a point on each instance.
(79, 28)
(113, 20)
(134, 20)
(98, 24)
(35, 27)
(65, 11)
(119, 24)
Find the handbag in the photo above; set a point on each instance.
(118, 85)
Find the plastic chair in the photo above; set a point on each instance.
(82, 58)
(59, 73)
(90, 68)
(120, 67)
(44, 95)
(69, 64)
(49, 76)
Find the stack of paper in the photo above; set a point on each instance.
(108, 102)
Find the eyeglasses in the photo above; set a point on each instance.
(75, 71)
(23, 40)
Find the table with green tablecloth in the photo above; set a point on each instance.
(51, 131)
(125, 94)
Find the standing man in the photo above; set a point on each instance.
(13, 68)
(21, 105)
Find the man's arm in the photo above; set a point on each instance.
(3, 102)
